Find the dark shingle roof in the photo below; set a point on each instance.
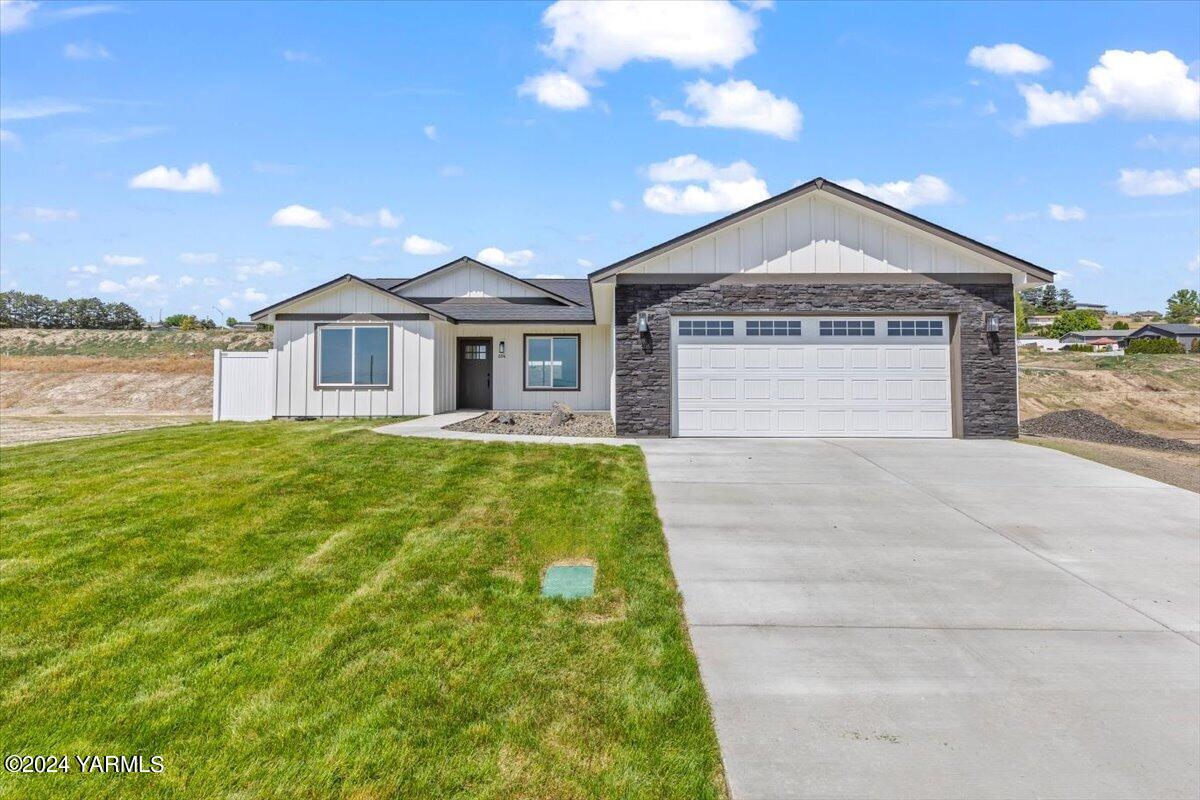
(1177, 328)
(510, 309)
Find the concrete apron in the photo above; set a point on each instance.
(937, 619)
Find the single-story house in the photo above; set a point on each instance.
(1088, 337)
(1040, 320)
(1182, 333)
(817, 312)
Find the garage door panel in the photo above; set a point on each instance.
(786, 379)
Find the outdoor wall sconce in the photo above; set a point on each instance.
(500, 351)
(991, 323)
(643, 323)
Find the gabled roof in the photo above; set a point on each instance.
(1174, 328)
(347, 278)
(465, 260)
(822, 185)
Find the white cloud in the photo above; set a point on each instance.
(198, 178)
(988, 109)
(420, 246)
(1007, 59)
(1066, 213)
(253, 296)
(124, 261)
(8, 137)
(1092, 265)
(692, 167)
(86, 269)
(597, 36)
(15, 14)
(86, 51)
(430, 132)
(72, 283)
(225, 303)
(248, 266)
(298, 216)
(924, 190)
(24, 237)
(39, 214)
(299, 57)
(726, 189)
(555, 90)
(1135, 85)
(737, 104)
(384, 218)
(1169, 143)
(616, 206)
(144, 283)
(185, 281)
(380, 241)
(1063, 275)
(37, 109)
(1141, 182)
(499, 258)
(198, 258)
(110, 287)
(583, 262)
(1021, 216)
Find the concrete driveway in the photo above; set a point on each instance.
(937, 619)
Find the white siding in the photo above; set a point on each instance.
(819, 233)
(242, 385)
(352, 298)
(508, 373)
(412, 387)
(470, 280)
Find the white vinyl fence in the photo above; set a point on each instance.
(243, 385)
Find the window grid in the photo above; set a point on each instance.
(475, 352)
(705, 327)
(773, 327)
(847, 327)
(914, 327)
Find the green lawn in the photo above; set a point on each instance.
(316, 610)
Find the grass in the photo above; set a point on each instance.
(315, 610)
(127, 344)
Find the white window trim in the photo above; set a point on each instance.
(529, 387)
(353, 328)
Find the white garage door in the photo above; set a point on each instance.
(812, 376)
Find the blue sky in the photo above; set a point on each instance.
(215, 157)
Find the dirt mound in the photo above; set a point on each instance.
(1088, 426)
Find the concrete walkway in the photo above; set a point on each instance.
(433, 427)
(937, 618)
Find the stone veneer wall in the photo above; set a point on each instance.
(988, 389)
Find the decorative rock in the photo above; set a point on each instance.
(505, 418)
(560, 414)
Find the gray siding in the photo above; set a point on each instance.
(988, 385)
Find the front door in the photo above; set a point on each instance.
(474, 373)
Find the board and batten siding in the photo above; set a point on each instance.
(819, 234)
(508, 392)
(469, 280)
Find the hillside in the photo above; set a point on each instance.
(127, 344)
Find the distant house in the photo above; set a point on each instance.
(1090, 337)
(1182, 333)
(245, 326)
(1099, 308)
(1043, 343)
(1040, 320)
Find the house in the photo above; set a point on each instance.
(1182, 333)
(1089, 337)
(244, 326)
(1043, 343)
(817, 312)
(1040, 320)
(1104, 344)
(1099, 308)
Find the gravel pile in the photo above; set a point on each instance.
(1088, 426)
(581, 423)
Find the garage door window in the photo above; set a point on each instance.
(773, 327)
(914, 327)
(702, 327)
(847, 327)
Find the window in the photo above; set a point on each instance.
(705, 327)
(847, 327)
(914, 327)
(353, 355)
(552, 362)
(773, 327)
(475, 352)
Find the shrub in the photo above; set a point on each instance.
(1153, 346)
(1071, 321)
(1078, 348)
(1195, 345)
(1120, 325)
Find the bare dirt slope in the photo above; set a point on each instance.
(1157, 394)
(127, 344)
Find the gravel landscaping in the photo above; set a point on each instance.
(1088, 426)
(539, 423)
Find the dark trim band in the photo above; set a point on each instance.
(365, 317)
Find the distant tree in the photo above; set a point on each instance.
(1021, 312)
(1050, 303)
(21, 310)
(177, 320)
(1183, 306)
(1120, 325)
(1195, 348)
(1075, 320)
(1033, 297)
(230, 322)
(1066, 300)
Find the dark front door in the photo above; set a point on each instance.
(474, 373)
